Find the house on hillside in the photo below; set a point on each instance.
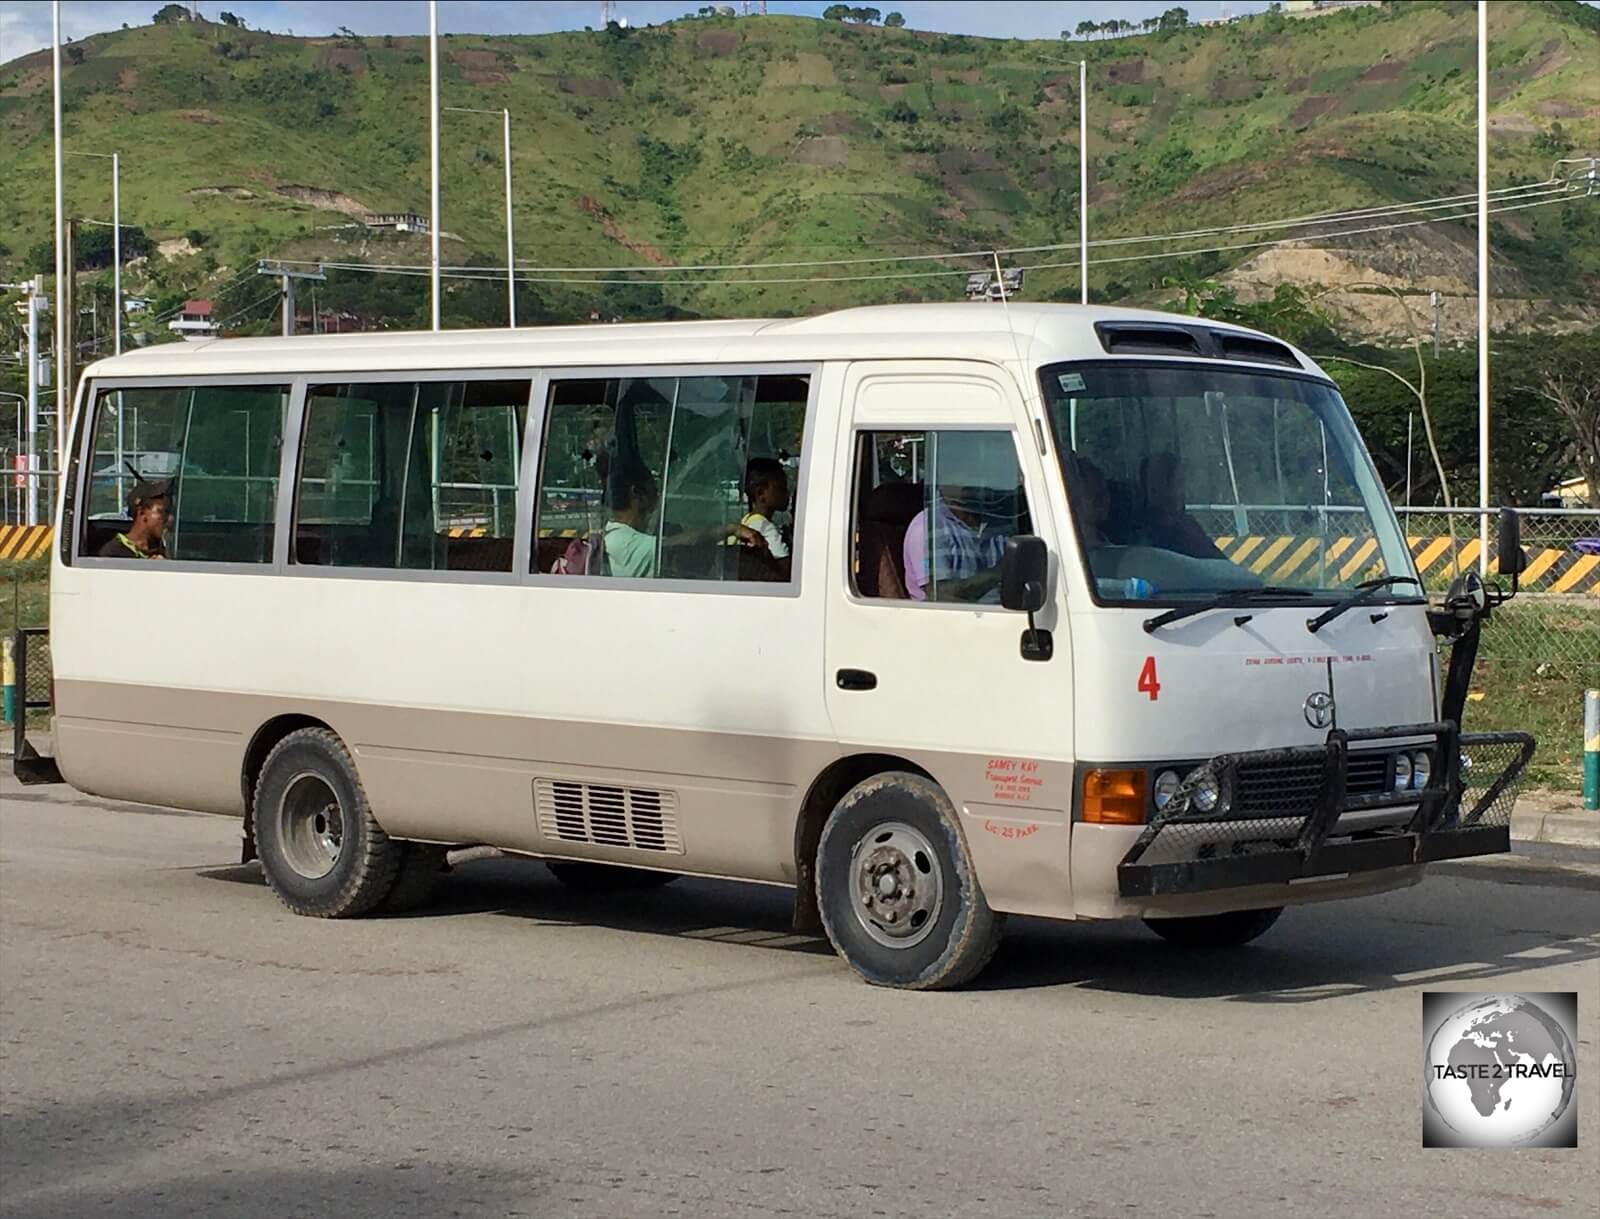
(400, 222)
(195, 322)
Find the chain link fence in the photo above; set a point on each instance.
(1554, 622)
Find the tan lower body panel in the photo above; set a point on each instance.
(463, 776)
(468, 777)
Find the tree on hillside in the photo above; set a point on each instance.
(834, 12)
(1565, 374)
(74, 54)
(895, 21)
(171, 14)
(864, 16)
(231, 19)
(1085, 28)
(1173, 19)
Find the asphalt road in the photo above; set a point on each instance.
(175, 1043)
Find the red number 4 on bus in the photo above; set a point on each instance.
(1147, 679)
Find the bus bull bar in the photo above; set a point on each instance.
(1276, 813)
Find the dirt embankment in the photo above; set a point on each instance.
(328, 200)
(613, 230)
(1353, 282)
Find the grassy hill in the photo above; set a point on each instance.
(717, 140)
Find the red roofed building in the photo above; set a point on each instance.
(195, 321)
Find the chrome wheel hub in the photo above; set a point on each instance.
(310, 825)
(899, 887)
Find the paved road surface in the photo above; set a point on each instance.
(175, 1043)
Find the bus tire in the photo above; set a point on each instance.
(606, 877)
(1228, 930)
(899, 898)
(323, 852)
(422, 866)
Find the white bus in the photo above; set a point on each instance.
(935, 613)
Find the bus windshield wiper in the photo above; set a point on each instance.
(1366, 591)
(1231, 596)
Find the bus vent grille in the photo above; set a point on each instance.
(607, 816)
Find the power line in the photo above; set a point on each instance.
(1454, 203)
(465, 273)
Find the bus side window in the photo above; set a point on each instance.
(661, 478)
(217, 445)
(933, 511)
(417, 476)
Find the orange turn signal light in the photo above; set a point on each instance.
(1114, 797)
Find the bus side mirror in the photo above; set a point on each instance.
(1511, 559)
(1023, 573)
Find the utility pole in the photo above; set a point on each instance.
(287, 276)
(1436, 299)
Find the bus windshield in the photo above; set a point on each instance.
(1193, 481)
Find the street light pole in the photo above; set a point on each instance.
(63, 321)
(116, 234)
(1083, 179)
(1483, 288)
(433, 151)
(511, 258)
(116, 245)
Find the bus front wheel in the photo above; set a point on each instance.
(323, 852)
(899, 897)
(1228, 930)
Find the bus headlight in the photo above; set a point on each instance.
(1204, 791)
(1421, 768)
(1402, 772)
(1164, 788)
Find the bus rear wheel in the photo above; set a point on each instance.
(895, 884)
(1228, 930)
(323, 852)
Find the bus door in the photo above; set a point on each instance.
(921, 660)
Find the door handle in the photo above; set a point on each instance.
(856, 679)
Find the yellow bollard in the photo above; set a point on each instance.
(8, 678)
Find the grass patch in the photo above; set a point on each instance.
(25, 594)
(1534, 662)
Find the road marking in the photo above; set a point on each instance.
(1441, 971)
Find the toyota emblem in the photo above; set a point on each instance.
(1319, 709)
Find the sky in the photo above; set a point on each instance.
(25, 24)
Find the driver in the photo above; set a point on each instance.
(1166, 523)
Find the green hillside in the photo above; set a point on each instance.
(717, 140)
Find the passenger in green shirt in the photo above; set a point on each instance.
(632, 549)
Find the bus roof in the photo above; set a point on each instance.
(1034, 333)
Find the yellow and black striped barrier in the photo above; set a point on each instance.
(1278, 558)
(24, 541)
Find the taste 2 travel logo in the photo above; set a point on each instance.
(1499, 1070)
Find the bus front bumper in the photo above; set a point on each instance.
(1281, 817)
